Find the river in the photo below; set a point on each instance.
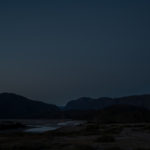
(41, 126)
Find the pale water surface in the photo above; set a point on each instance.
(41, 126)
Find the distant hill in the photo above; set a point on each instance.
(101, 103)
(123, 109)
(16, 106)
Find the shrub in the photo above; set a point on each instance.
(105, 139)
(113, 148)
(82, 147)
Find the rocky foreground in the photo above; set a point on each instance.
(89, 136)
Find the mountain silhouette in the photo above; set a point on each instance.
(86, 103)
(16, 106)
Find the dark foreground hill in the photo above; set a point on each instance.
(16, 106)
(123, 114)
(131, 109)
(101, 103)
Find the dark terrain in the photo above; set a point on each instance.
(89, 136)
(111, 124)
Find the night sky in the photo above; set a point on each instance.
(59, 50)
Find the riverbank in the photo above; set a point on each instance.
(35, 126)
(88, 136)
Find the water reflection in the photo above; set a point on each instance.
(41, 129)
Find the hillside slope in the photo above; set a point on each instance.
(15, 106)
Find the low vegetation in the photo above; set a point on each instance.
(11, 125)
(89, 136)
(105, 139)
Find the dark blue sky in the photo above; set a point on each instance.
(60, 50)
